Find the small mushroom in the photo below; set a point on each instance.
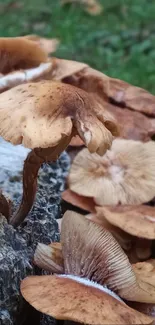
(49, 257)
(44, 116)
(124, 174)
(80, 300)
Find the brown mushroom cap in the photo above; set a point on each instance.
(19, 53)
(83, 202)
(125, 174)
(117, 91)
(145, 271)
(135, 220)
(80, 300)
(41, 114)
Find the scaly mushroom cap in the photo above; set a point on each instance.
(125, 174)
(41, 114)
(135, 220)
(19, 53)
(79, 300)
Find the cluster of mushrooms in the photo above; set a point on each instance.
(103, 268)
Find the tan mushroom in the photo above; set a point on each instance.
(22, 60)
(80, 300)
(125, 174)
(132, 226)
(44, 116)
(135, 220)
(115, 91)
(19, 53)
(90, 251)
(49, 257)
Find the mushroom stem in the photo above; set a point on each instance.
(32, 164)
(4, 206)
(30, 172)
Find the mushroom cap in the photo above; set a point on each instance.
(83, 202)
(145, 271)
(132, 124)
(41, 114)
(79, 300)
(19, 53)
(135, 220)
(91, 251)
(49, 257)
(49, 45)
(117, 91)
(65, 68)
(125, 174)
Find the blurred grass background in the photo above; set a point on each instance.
(120, 42)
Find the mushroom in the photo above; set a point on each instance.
(78, 299)
(115, 91)
(44, 116)
(132, 124)
(132, 226)
(49, 257)
(135, 220)
(83, 202)
(124, 174)
(22, 60)
(90, 251)
(127, 103)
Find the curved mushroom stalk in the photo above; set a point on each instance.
(4, 206)
(32, 165)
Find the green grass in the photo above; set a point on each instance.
(120, 42)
